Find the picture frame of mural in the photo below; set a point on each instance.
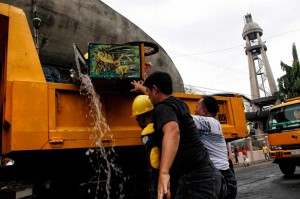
(114, 61)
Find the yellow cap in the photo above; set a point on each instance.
(141, 105)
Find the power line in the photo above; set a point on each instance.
(230, 48)
(280, 34)
(209, 52)
(213, 91)
(197, 59)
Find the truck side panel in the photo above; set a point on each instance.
(29, 125)
(56, 116)
(239, 118)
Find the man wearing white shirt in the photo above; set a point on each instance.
(210, 131)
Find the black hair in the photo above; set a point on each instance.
(211, 104)
(162, 80)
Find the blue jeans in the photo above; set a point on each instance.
(204, 183)
(266, 156)
(230, 183)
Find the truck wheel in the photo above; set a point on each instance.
(287, 168)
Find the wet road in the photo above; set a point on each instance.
(265, 181)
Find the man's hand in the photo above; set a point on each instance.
(138, 87)
(163, 189)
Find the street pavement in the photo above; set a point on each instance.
(264, 180)
(241, 166)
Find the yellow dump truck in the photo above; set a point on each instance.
(284, 135)
(50, 130)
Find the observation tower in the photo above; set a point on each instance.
(262, 82)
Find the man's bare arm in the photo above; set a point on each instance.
(170, 144)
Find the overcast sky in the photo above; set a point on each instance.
(204, 38)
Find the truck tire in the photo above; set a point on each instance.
(287, 168)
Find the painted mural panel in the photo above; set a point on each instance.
(107, 61)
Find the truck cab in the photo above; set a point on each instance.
(284, 133)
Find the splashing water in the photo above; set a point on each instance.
(102, 159)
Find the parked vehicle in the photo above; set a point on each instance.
(284, 135)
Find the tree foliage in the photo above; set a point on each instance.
(289, 84)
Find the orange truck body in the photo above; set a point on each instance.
(39, 115)
(46, 127)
